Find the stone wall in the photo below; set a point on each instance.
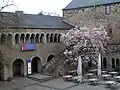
(95, 17)
(43, 49)
(92, 17)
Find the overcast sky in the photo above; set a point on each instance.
(36, 6)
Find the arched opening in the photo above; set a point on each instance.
(1, 71)
(9, 39)
(17, 38)
(51, 38)
(104, 62)
(37, 38)
(55, 38)
(22, 38)
(117, 62)
(32, 38)
(90, 64)
(36, 65)
(42, 38)
(27, 38)
(113, 63)
(18, 68)
(50, 57)
(48, 38)
(3, 39)
(59, 36)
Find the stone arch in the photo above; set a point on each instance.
(36, 64)
(55, 38)
(1, 71)
(42, 38)
(104, 62)
(27, 38)
(37, 38)
(48, 37)
(50, 57)
(113, 62)
(3, 39)
(51, 38)
(18, 67)
(9, 39)
(32, 38)
(22, 38)
(17, 38)
(59, 37)
(117, 62)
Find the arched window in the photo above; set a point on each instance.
(48, 38)
(50, 57)
(9, 39)
(17, 38)
(22, 38)
(3, 39)
(55, 38)
(104, 62)
(117, 62)
(51, 38)
(42, 38)
(27, 38)
(59, 36)
(113, 63)
(37, 38)
(32, 38)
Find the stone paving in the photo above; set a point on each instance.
(55, 84)
(40, 76)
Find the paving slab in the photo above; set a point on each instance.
(34, 87)
(58, 83)
(39, 76)
(17, 83)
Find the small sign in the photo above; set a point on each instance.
(29, 66)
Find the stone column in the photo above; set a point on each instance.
(48, 39)
(44, 39)
(25, 69)
(5, 73)
(13, 41)
(10, 71)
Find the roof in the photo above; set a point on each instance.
(74, 4)
(22, 20)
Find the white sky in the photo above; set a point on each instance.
(36, 6)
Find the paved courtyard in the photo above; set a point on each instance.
(54, 84)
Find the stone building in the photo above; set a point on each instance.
(28, 39)
(95, 13)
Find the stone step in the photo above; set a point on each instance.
(41, 80)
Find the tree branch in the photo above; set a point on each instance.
(5, 6)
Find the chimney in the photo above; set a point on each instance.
(19, 13)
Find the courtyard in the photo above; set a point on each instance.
(25, 83)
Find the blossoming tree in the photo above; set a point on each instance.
(84, 42)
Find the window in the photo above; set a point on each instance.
(82, 10)
(113, 63)
(107, 9)
(104, 62)
(109, 31)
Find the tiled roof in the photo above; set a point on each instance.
(34, 21)
(87, 3)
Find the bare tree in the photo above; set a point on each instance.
(5, 20)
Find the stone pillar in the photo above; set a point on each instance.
(25, 69)
(10, 71)
(48, 39)
(44, 39)
(13, 40)
(5, 73)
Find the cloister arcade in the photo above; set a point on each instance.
(30, 38)
(115, 62)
